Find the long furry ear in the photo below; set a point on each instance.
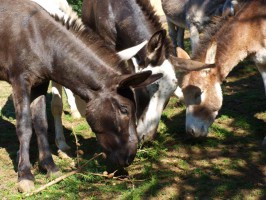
(132, 80)
(141, 79)
(155, 48)
(211, 53)
(185, 65)
(180, 53)
(132, 51)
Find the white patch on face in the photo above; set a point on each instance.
(194, 125)
(166, 86)
(136, 65)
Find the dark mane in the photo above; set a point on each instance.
(91, 39)
(211, 30)
(150, 13)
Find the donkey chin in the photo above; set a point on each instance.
(120, 155)
(120, 159)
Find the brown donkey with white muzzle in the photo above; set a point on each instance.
(232, 40)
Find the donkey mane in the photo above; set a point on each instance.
(74, 24)
(150, 13)
(216, 24)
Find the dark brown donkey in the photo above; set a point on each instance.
(34, 49)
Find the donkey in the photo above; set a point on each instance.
(226, 44)
(35, 49)
(193, 15)
(60, 8)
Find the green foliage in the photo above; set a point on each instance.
(76, 4)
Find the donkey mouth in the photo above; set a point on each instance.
(202, 132)
(121, 160)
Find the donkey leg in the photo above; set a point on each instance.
(57, 110)
(180, 37)
(172, 33)
(21, 102)
(39, 119)
(72, 103)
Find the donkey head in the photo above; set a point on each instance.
(112, 116)
(202, 95)
(203, 98)
(159, 60)
(159, 92)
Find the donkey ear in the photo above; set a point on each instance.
(185, 65)
(180, 53)
(155, 50)
(211, 53)
(132, 51)
(140, 79)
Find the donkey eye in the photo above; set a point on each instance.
(198, 95)
(124, 110)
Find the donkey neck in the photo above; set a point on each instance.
(137, 23)
(238, 38)
(78, 67)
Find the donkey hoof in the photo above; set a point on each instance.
(62, 145)
(75, 114)
(25, 186)
(63, 154)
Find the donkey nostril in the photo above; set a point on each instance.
(130, 159)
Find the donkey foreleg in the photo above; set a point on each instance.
(57, 110)
(172, 32)
(180, 37)
(21, 99)
(72, 103)
(39, 121)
